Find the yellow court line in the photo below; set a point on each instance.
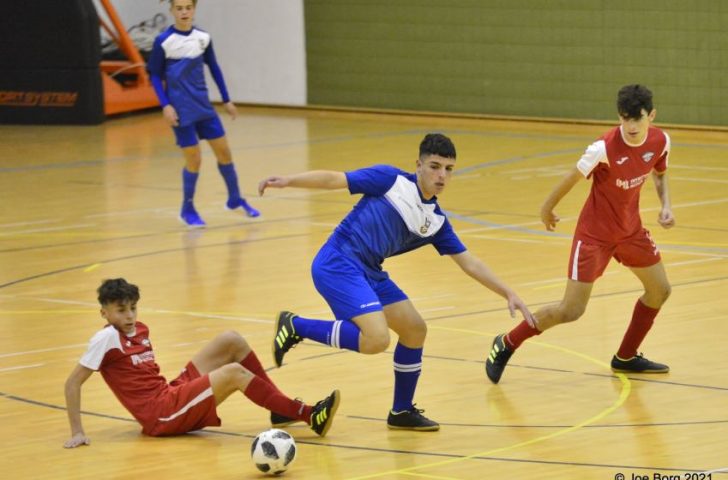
(423, 475)
(91, 268)
(623, 394)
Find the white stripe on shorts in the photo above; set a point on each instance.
(195, 401)
(575, 265)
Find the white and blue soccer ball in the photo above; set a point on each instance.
(273, 451)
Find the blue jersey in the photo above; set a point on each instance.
(178, 59)
(391, 218)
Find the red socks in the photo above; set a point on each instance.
(262, 391)
(252, 363)
(642, 319)
(267, 396)
(520, 334)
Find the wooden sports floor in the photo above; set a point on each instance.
(81, 204)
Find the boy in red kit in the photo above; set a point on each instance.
(609, 226)
(123, 354)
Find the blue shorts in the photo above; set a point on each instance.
(207, 129)
(343, 283)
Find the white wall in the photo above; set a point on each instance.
(260, 45)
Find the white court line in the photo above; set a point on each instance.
(41, 350)
(550, 169)
(436, 309)
(540, 175)
(569, 219)
(712, 258)
(506, 239)
(151, 310)
(691, 262)
(22, 224)
(165, 211)
(467, 177)
(431, 297)
(54, 229)
(21, 367)
(691, 167)
(717, 470)
(57, 300)
(543, 282)
(702, 180)
(207, 315)
(503, 227)
(187, 344)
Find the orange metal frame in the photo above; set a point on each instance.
(135, 94)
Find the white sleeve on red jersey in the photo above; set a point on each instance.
(594, 154)
(661, 164)
(104, 340)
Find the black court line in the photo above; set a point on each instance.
(176, 231)
(392, 451)
(147, 254)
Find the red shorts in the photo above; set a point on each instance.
(188, 404)
(589, 260)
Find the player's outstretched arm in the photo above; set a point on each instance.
(73, 406)
(548, 216)
(326, 179)
(475, 267)
(666, 218)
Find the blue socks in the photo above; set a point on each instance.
(339, 334)
(189, 182)
(345, 335)
(231, 181)
(407, 368)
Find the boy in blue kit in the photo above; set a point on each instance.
(176, 70)
(397, 213)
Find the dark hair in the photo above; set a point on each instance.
(631, 99)
(171, 3)
(117, 290)
(437, 144)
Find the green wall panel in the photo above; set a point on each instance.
(561, 58)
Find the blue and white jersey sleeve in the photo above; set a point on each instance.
(374, 181)
(391, 218)
(446, 242)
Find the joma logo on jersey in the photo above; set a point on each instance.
(142, 357)
(631, 183)
(426, 226)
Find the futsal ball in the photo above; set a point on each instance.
(273, 451)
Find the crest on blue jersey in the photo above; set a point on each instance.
(426, 226)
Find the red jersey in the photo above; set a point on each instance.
(618, 171)
(127, 364)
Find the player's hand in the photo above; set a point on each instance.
(515, 303)
(232, 110)
(666, 219)
(272, 182)
(550, 219)
(77, 440)
(170, 115)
